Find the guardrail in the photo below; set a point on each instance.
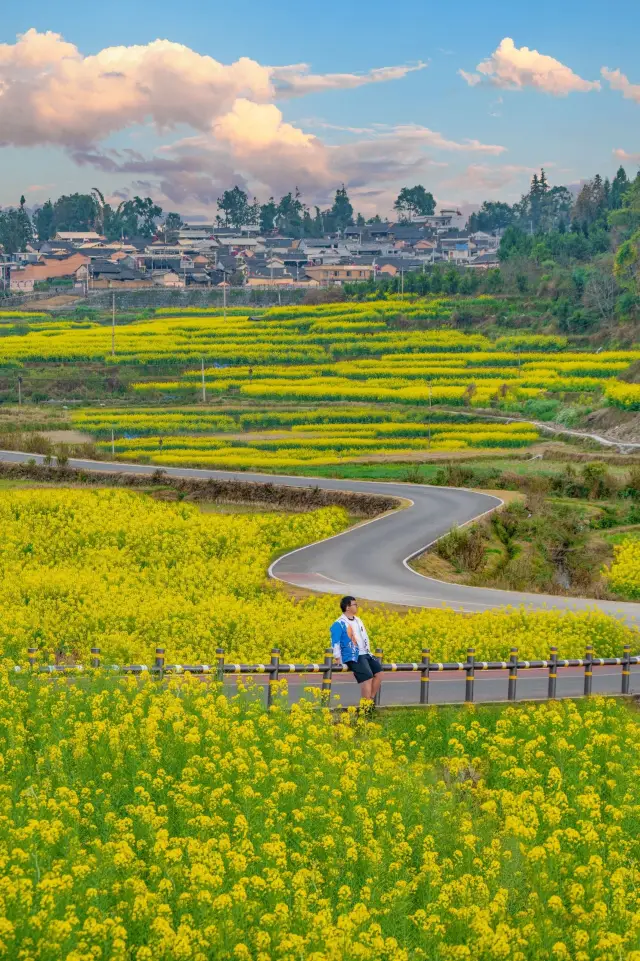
(276, 669)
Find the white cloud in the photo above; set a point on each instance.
(514, 67)
(479, 178)
(623, 155)
(296, 81)
(50, 93)
(619, 81)
(418, 134)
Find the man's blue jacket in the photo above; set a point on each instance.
(342, 644)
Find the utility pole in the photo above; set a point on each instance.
(224, 294)
(204, 387)
(402, 281)
(113, 324)
(429, 428)
(113, 444)
(20, 390)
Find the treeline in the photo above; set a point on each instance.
(139, 217)
(581, 255)
(291, 217)
(142, 217)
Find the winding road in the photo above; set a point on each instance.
(371, 559)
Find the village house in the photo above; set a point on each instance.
(340, 273)
(48, 269)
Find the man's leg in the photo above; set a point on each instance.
(365, 690)
(375, 684)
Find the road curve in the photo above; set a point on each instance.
(371, 559)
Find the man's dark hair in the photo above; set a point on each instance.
(344, 603)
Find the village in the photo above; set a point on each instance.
(208, 255)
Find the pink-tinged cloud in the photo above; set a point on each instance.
(50, 93)
(620, 82)
(515, 68)
(482, 178)
(623, 156)
(296, 81)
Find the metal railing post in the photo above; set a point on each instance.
(274, 675)
(588, 670)
(424, 679)
(513, 674)
(95, 657)
(626, 669)
(220, 663)
(160, 662)
(553, 673)
(376, 699)
(327, 674)
(32, 657)
(471, 675)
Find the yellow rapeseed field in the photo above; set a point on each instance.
(623, 574)
(121, 571)
(148, 823)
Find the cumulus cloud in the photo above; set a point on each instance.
(254, 146)
(619, 81)
(50, 93)
(514, 67)
(623, 155)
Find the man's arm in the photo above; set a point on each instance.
(336, 633)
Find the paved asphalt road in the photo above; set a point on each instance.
(370, 560)
(404, 688)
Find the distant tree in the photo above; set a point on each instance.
(309, 227)
(515, 243)
(43, 221)
(268, 214)
(414, 201)
(76, 212)
(16, 230)
(139, 216)
(235, 208)
(590, 203)
(628, 215)
(377, 219)
(626, 266)
(289, 216)
(342, 210)
(554, 211)
(619, 186)
(493, 215)
(172, 224)
(360, 221)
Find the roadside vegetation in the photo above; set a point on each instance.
(563, 537)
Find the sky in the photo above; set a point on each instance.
(180, 102)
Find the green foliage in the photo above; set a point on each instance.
(415, 201)
(626, 266)
(493, 215)
(43, 221)
(342, 210)
(15, 228)
(268, 214)
(236, 209)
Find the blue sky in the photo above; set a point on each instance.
(465, 139)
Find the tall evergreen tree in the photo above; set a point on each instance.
(619, 185)
(342, 210)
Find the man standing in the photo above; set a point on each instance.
(350, 643)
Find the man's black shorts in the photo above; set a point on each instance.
(365, 668)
